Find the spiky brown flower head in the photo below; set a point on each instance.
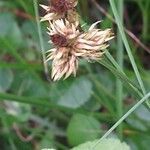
(64, 63)
(62, 6)
(70, 44)
(60, 9)
(90, 45)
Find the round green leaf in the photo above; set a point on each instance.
(6, 78)
(78, 93)
(106, 144)
(10, 29)
(82, 128)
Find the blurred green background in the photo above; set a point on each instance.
(37, 113)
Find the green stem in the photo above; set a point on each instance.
(119, 69)
(32, 66)
(128, 49)
(144, 9)
(145, 24)
(126, 115)
(45, 102)
(84, 9)
(121, 76)
(119, 86)
(23, 5)
(119, 73)
(40, 36)
(122, 119)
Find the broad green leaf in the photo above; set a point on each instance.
(82, 128)
(143, 113)
(140, 119)
(63, 87)
(106, 144)
(78, 93)
(104, 89)
(26, 84)
(9, 28)
(29, 30)
(34, 88)
(135, 122)
(6, 78)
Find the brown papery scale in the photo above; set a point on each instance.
(59, 40)
(61, 6)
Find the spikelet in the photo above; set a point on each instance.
(70, 45)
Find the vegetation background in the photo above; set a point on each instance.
(37, 113)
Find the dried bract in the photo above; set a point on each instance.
(59, 9)
(91, 44)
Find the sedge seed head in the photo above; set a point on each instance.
(70, 44)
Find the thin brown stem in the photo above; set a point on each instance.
(20, 135)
